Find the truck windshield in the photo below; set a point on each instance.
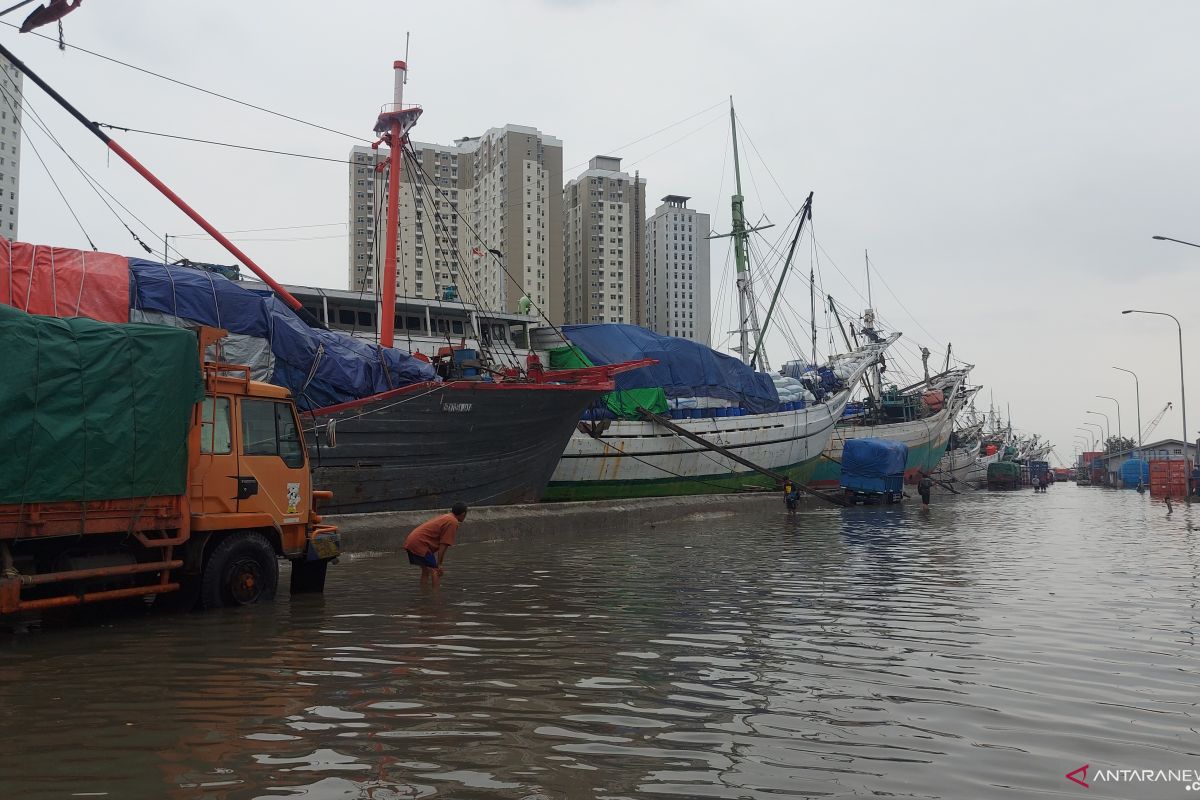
(269, 429)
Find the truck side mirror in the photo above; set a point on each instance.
(247, 488)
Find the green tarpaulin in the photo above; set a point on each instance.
(1004, 469)
(93, 410)
(624, 403)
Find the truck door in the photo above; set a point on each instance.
(273, 473)
(213, 487)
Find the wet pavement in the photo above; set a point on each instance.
(982, 650)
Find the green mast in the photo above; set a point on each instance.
(747, 308)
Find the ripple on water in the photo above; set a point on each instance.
(982, 651)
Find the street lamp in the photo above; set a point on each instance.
(1099, 439)
(1106, 397)
(1137, 393)
(1182, 384)
(1107, 427)
(1177, 241)
(1091, 438)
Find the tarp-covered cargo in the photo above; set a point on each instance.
(322, 368)
(93, 410)
(873, 465)
(1003, 475)
(64, 282)
(685, 368)
(1135, 472)
(624, 403)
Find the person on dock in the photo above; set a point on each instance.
(791, 496)
(428, 542)
(925, 488)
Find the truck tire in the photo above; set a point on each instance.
(308, 576)
(240, 570)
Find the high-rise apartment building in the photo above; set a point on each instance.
(428, 250)
(677, 271)
(10, 147)
(504, 184)
(604, 248)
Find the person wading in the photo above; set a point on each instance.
(791, 496)
(924, 488)
(429, 541)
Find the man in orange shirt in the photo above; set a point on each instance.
(429, 541)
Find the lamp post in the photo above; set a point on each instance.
(1106, 397)
(1100, 448)
(1177, 241)
(1091, 438)
(1107, 427)
(1137, 394)
(1182, 384)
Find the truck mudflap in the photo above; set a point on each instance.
(323, 544)
(10, 594)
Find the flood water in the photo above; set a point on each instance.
(980, 651)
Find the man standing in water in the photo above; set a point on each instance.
(924, 488)
(429, 541)
(791, 496)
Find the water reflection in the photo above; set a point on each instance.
(981, 649)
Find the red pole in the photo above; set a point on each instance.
(125, 156)
(387, 311)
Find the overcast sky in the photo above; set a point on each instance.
(1005, 163)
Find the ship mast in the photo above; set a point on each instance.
(747, 308)
(392, 127)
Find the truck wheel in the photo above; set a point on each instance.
(308, 576)
(241, 570)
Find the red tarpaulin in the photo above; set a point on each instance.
(63, 282)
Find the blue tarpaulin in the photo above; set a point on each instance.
(1134, 472)
(685, 368)
(322, 368)
(874, 458)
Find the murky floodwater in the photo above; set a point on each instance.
(981, 651)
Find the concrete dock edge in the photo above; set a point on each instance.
(384, 531)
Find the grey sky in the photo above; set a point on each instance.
(1005, 163)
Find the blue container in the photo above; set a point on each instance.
(696, 413)
(722, 412)
(465, 355)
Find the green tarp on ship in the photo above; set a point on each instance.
(623, 403)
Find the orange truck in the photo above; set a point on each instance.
(135, 468)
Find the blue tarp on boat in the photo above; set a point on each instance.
(322, 368)
(685, 368)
